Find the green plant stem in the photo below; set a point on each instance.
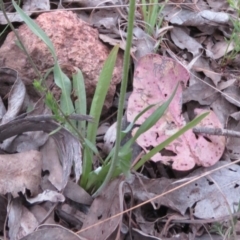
(123, 90)
(19, 40)
(80, 136)
(4, 30)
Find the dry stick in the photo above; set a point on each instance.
(130, 214)
(34, 123)
(146, 191)
(211, 131)
(49, 117)
(217, 131)
(200, 221)
(6, 219)
(50, 211)
(99, 7)
(161, 195)
(169, 220)
(121, 200)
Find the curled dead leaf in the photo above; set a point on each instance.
(68, 145)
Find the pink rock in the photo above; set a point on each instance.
(76, 45)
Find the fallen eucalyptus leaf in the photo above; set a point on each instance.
(19, 172)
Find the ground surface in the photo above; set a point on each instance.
(188, 190)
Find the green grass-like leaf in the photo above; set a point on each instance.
(81, 101)
(96, 109)
(92, 146)
(123, 89)
(95, 180)
(130, 126)
(101, 92)
(151, 11)
(150, 121)
(162, 145)
(64, 83)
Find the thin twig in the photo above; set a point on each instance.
(50, 211)
(217, 131)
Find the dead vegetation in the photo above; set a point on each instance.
(189, 189)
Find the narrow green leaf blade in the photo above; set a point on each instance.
(155, 116)
(95, 179)
(81, 101)
(87, 166)
(162, 145)
(91, 146)
(144, 10)
(150, 121)
(63, 82)
(101, 92)
(96, 109)
(154, 14)
(130, 126)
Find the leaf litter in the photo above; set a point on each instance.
(38, 184)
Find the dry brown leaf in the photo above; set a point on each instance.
(21, 221)
(182, 39)
(19, 172)
(52, 163)
(29, 6)
(53, 233)
(68, 145)
(77, 194)
(103, 207)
